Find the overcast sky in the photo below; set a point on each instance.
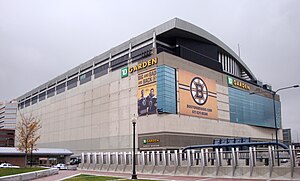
(40, 40)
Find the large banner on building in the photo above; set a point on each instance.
(197, 95)
(147, 99)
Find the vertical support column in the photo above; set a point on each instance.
(237, 152)
(188, 157)
(95, 158)
(138, 156)
(148, 157)
(251, 160)
(82, 158)
(117, 158)
(157, 158)
(292, 159)
(217, 160)
(254, 156)
(180, 158)
(154, 40)
(143, 158)
(153, 158)
(168, 161)
(206, 156)
(202, 158)
(193, 157)
(234, 161)
(271, 163)
(108, 159)
(176, 158)
(273, 155)
(88, 158)
(125, 158)
(164, 160)
(221, 156)
(101, 158)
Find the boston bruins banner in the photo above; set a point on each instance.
(147, 100)
(197, 95)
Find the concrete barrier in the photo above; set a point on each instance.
(30, 175)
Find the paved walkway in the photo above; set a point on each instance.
(68, 173)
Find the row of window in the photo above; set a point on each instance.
(253, 109)
(62, 87)
(141, 51)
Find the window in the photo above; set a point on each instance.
(72, 83)
(60, 88)
(34, 99)
(27, 103)
(51, 92)
(252, 109)
(141, 53)
(42, 96)
(121, 61)
(102, 70)
(86, 77)
(166, 89)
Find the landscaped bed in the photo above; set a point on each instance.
(13, 171)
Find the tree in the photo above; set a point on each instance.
(27, 135)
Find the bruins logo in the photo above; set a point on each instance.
(199, 91)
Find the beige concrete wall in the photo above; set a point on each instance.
(91, 116)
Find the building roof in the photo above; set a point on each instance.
(40, 151)
(163, 29)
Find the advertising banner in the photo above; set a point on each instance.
(198, 95)
(147, 99)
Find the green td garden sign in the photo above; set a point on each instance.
(124, 72)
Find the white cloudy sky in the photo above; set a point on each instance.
(42, 39)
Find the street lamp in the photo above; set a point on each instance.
(134, 176)
(274, 110)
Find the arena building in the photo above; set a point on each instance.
(184, 85)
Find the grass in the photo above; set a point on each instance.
(13, 171)
(83, 177)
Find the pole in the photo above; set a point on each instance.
(31, 155)
(134, 176)
(275, 122)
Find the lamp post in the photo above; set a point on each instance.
(275, 117)
(134, 176)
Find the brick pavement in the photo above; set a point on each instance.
(68, 173)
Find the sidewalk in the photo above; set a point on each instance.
(67, 173)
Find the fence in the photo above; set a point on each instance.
(255, 162)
